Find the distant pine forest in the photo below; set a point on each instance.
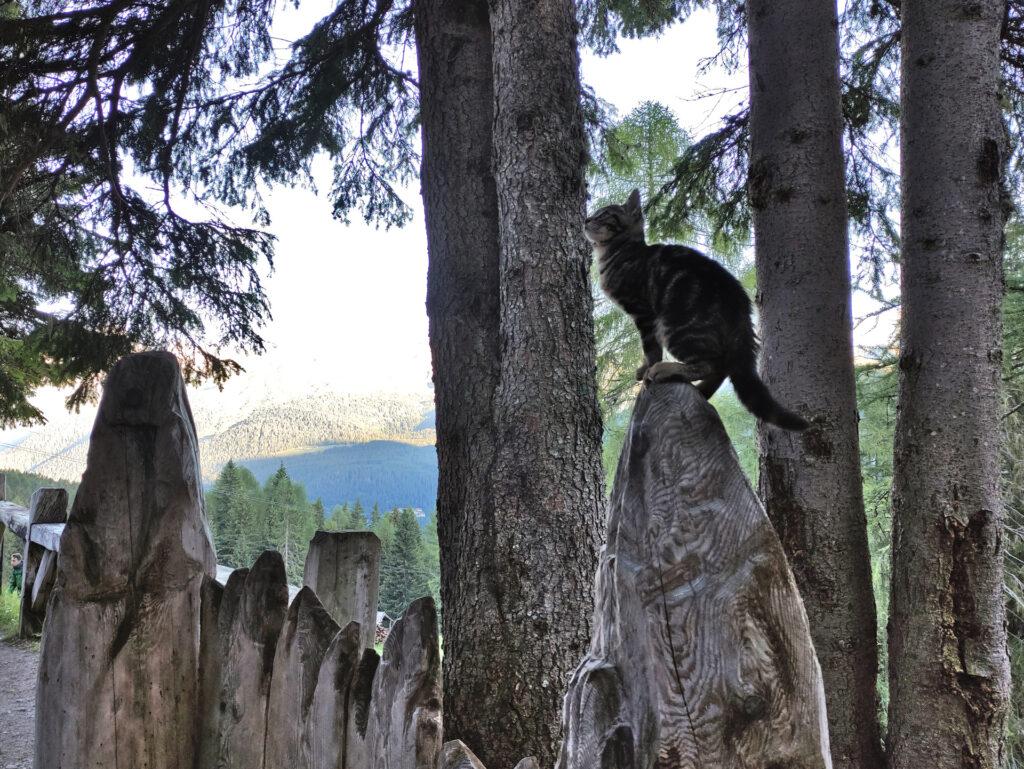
(248, 514)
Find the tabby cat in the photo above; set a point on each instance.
(686, 303)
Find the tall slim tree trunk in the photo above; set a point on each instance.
(811, 482)
(547, 478)
(457, 100)
(948, 674)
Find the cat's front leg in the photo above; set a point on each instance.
(651, 345)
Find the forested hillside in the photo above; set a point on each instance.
(296, 425)
(389, 473)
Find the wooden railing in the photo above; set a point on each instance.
(40, 527)
(700, 656)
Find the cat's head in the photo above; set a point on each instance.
(618, 223)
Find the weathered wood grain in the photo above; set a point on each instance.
(46, 576)
(701, 655)
(249, 621)
(357, 750)
(404, 727)
(15, 517)
(528, 763)
(455, 755)
(48, 506)
(301, 647)
(210, 665)
(327, 723)
(118, 683)
(343, 569)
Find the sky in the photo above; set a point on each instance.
(348, 300)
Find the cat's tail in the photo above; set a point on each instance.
(754, 394)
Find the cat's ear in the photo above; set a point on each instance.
(633, 203)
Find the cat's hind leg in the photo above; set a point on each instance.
(652, 347)
(709, 385)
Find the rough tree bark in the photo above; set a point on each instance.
(810, 482)
(948, 674)
(453, 41)
(518, 429)
(547, 479)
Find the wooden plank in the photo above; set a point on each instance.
(210, 666)
(224, 573)
(251, 614)
(328, 715)
(120, 650)
(357, 752)
(343, 569)
(46, 576)
(404, 727)
(49, 506)
(14, 517)
(307, 633)
(47, 535)
(700, 654)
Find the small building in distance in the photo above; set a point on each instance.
(384, 623)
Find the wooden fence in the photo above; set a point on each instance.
(700, 656)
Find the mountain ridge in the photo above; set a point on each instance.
(340, 445)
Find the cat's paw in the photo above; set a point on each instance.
(667, 371)
(641, 371)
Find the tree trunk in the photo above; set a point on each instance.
(948, 675)
(461, 209)
(810, 482)
(547, 478)
(517, 423)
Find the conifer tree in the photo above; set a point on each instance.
(318, 514)
(403, 577)
(949, 673)
(357, 519)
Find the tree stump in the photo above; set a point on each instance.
(343, 569)
(404, 725)
(39, 565)
(118, 684)
(700, 655)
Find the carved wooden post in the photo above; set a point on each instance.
(404, 727)
(700, 655)
(343, 569)
(39, 565)
(239, 657)
(118, 684)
